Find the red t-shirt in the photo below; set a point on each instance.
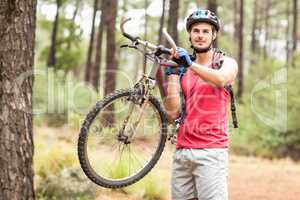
(205, 123)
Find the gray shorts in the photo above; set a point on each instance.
(200, 173)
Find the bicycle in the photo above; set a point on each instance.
(115, 145)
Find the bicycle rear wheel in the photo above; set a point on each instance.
(114, 158)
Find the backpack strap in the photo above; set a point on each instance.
(232, 106)
(218, 59)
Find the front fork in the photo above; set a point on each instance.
(140, 97)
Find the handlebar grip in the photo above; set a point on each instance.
(130, 37)
(169, 39)
(165, 50)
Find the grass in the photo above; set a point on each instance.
(58, 175)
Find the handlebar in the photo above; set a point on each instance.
(147, 44)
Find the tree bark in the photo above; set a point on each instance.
(267, 17)
(145, 35)
(111, 63)
(295, 29)
(98, 56)
(173, 19)
(111, 67)
(236, 18)
(241, 52)
(17, 39)
(161, 23)
(77, 5)
(254, 28)
(212, 5)
(52, 53)
(288, 38)
(88, 66)
(160, 76)
(73, 25)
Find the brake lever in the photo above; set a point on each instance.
(128, 46)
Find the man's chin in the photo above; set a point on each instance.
(202, 49)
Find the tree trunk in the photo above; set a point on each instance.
(98, 56)
(254, 28)
(17, 39)
(267, 17)
(236, 18)
(111, 67)
(52, 53)
(160, 76)
(241, 52)
(145, 35)
(73, 25)
(173, 19)
(288, 38)
(88, 66)
(162, 23)
(77, 5)
(295, 29)
(260, 25)
(212, 5)
(111, 64)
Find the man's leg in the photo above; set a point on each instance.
(211, 173)
(183, 183)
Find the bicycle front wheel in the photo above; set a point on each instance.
(121, 140)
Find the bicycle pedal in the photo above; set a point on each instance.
(173, 139)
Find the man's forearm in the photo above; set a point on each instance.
(209, 75)
(172, 99)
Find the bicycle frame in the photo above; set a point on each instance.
(138, 99)
(148, 82)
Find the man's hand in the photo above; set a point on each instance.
(182, 57)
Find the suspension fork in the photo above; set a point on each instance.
(136, 123)
(144, 93)
(121, 136)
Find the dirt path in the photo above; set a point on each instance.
(250, 179)
(258, 179)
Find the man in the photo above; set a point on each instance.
(200, 165)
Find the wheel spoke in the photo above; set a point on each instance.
(118, 159)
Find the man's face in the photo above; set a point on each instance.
(202, 35)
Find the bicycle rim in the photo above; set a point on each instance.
(113, 162)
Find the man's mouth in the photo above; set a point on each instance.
(201, 43)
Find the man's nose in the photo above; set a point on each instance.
(200, 34)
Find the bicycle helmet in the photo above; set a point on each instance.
(202, 15)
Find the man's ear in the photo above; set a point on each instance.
(214, 35)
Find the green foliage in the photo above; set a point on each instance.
(51, 159)
(150, 187)
(69, 184)
(255, 135)
(69, 51)
(58, 98)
